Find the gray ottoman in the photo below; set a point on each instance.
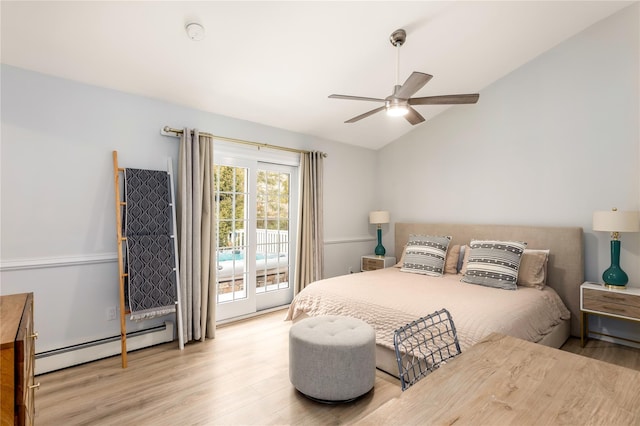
(332, 358)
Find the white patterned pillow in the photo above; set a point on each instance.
(494, 263)
(425, 254)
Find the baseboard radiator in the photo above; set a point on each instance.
(103, 348)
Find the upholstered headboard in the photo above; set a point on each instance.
(565, 244)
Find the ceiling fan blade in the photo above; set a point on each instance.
(365, 115)
(414, 117)
(415, 82)
(355, 98)
(445, 100)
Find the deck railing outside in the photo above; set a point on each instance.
(267, 240)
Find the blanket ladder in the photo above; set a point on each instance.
(121, 274)
(120, 205)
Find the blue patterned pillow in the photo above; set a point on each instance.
(425, 254)
(494, 263)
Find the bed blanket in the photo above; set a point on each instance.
(388, 299)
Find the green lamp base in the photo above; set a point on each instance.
(614, 276)
(380, 251)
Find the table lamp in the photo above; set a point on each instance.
(616, 222)
(378, 217)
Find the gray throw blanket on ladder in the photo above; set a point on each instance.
(151, 289)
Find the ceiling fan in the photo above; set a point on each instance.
(400, 102)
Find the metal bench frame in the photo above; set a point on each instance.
(424, 345)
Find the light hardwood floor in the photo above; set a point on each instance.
(241, 377)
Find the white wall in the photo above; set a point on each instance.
(57, 196)
(546, 145)
(351, 175)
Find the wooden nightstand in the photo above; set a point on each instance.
(371, 262)
(596, 299)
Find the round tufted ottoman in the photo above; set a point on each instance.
(332, 358)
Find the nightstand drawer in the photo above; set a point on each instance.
(369, 264)
(373, 263)
(626, 305)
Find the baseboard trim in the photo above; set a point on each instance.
(596, 335)
(58, 359)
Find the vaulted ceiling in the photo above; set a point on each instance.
(275, 63)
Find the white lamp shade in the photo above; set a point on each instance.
(615, 221)
(379, 216)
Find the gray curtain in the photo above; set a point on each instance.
(196, 231)
(310, 248)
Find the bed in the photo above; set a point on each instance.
(389, 298)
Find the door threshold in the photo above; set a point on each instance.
(252, 315)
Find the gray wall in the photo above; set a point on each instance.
(57, 196)
(548, 144)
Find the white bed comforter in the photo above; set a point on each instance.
(388, 299)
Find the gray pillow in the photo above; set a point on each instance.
(494, 263)
(425, 254)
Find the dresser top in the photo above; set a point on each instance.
(11, 309)
(477, 387)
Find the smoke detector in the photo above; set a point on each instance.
(195, 31)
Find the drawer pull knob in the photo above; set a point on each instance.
(34, 335)
(36, 386)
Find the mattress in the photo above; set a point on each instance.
(388, 299)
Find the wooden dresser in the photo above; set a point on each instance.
(502, 380)
(17, 353)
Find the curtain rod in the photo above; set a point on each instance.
(166, 130)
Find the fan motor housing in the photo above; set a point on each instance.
(398, 37)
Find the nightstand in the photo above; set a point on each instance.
(596, 299)
(371, 262)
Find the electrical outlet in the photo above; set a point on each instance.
(111, 313)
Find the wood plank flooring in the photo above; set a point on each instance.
(241, 377)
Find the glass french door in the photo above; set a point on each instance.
(255, 215)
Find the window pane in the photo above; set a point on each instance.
(224, 177)
(240, 180)
(230, 187)
(272, 264)
(239, 206)
(262, 181)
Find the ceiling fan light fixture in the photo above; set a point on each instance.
(400, 103)
(397, 110)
